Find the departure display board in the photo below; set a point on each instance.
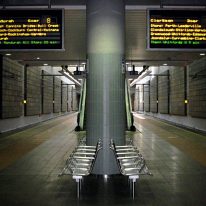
(40, 29)
(176, 29)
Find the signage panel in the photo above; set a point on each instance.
(31, 29)
(176, 29)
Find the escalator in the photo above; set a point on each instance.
(81, 113)
(129, 114)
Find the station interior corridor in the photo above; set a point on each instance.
(31, 159)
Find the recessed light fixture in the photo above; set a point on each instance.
(38, 58)
(45, 64)
(165, 64)
(8, 54)
(202, 54)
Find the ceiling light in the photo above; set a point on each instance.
(83, 63)
(45, 64)
(127, 63)
(8, 54)
(165, 64)
(38, 58)
(202, 54)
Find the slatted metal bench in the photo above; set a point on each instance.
(131, 163)
(80, 163)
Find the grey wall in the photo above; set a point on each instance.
(177, 91)
(47, 93)
(163, 93)
(197, 89)
(15, 85)
(136, 99)
(184, 83)
(57, 95)
(11, 88)
(153, 95)
(69, 98)
(32, 90)
(141, 98)
(74, 100)
(64, 98)
(147, 97)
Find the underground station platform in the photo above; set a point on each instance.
(32, 159)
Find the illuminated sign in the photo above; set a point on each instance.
(176, 29)
(31, 29)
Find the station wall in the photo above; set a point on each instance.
(153, 95)
(180, 93)
(163, 93)
(32, 90)
(11, 90)
(29, 95)
(146, 97)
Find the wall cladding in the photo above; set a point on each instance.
(32, 91)
(146, 97)
(64, 98)
(47, 93)
(141, 96)
(153, 95)
(74, 100)
(177, 91)
(163, 93)
(57, 95)
(197, 89)
(11, 88)
(69, 107)
(136, 100)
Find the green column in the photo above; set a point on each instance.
(105, 103)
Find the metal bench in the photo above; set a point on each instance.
(131, 163)
(80, 163)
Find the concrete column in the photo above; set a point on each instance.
(105, 103)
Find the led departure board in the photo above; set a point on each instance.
(31, 29)
(176, 29)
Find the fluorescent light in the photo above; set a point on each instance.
(38, 58)
(8, 54)
(202, 54)
(83, 63)
(45, 64)
(165, 64)
(127, 63)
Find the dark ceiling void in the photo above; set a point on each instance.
(83, 2)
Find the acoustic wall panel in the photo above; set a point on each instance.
(64, 98)
(153, 95)
(57, 95)
(11, 89)
(146, 97)
(163, 92)
(177, 91)
(32, 90)
(197, 88)
(69, 102)
(47, 93)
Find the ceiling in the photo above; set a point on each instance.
(75, 38)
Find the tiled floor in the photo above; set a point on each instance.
(37, 155)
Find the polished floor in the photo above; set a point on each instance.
(31, 160)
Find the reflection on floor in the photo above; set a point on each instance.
(31, 160)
